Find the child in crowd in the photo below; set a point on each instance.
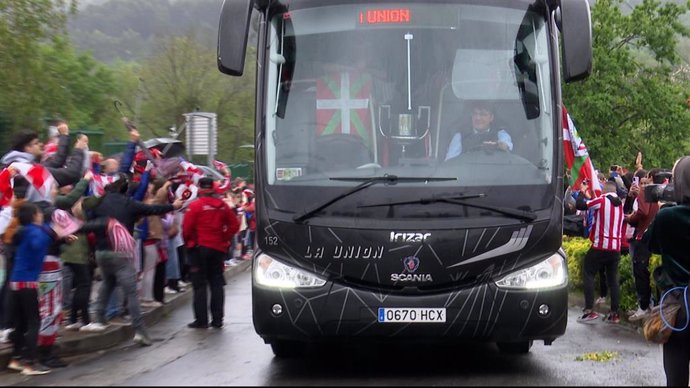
(235, 199)
(249, 210)
(32, 242)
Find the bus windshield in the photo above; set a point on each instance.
(411, 89)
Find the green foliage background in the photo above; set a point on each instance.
(156, 57)
(636, 98)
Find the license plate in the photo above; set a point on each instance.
(412, 315)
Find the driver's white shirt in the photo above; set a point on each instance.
(455, 147)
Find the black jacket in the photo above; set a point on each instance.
(124, 209)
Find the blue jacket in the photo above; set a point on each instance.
(32, 244)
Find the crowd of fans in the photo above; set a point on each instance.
(642, 213)
(614, 217)
(71, 219)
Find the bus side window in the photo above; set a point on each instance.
(510, 115)
(293, 131)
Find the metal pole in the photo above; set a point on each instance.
(408, 38)
(190, 136)
(209, 161)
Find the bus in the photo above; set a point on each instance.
(366, 231)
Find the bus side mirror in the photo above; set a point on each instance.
(574, 21)
(233, 30)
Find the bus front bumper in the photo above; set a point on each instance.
(337, 312)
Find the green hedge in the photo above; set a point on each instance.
(576, 248)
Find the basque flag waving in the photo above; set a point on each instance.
(577, 158)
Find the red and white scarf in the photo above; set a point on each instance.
(99, 182)
(41, 182)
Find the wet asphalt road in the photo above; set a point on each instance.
(236, 355)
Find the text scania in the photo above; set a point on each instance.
(408, 277)
(409, 237)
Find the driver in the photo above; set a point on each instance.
(482, 133)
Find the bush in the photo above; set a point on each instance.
(627, 284)
(576, 248)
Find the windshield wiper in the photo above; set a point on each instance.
(458, 200)
(366, 182)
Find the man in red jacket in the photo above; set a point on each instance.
(208, 228)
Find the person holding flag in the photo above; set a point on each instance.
(606, 230)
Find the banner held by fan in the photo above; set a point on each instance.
(577, 158)
(64, 224)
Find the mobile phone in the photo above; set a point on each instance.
(636, 180)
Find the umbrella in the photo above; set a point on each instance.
(168, 146)
(169, 167)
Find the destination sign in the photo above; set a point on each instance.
(385, 16)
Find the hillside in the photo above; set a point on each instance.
(127, 29)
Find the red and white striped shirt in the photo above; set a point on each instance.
(607, 226)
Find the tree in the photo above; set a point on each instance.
(41, 75)
(182, 76)
(632, 102)
(24, 26)
(80, 89)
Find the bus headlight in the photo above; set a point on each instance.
(552, 272)
(272, 273)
